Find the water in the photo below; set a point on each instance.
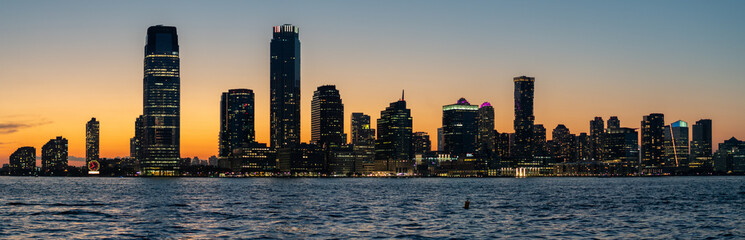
(418, 208)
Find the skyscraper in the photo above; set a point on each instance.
(23, 161)
(563, 140)
(54, 156)
(486, 138)
(623, 147)
(701, 145)
(523, 150)
(421, 142)
(327, 118)
(394, 133)
(652, 142)
(284, 70)
(460, 128)
(676, 144)
(597, 130)
(362, 133)
(135, 143)
(613, 122)
(91, 142)
(161, 103)
(236, 121)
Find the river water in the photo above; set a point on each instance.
(344, 208)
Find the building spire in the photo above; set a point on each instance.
(402, 94)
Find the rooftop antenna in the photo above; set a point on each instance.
(402, 94)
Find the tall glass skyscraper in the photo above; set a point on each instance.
(284, 70)
(362, 133)
(161, 103)
(236, 120)
(652, 143)
(460, 127)
(394, 133)
(91, 142)
(597, 132)
(701, 145)
(523, 151)
(327, 117)
(676, 144)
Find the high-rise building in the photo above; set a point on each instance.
(676, 144)
(730, 157)
(440, 139)
(563, 144)
(92, 143)
(583, 150)
(161, 103)
(236, 121)
(284, 70)
(597, 130)
(23, 161)
(54, 156)
(524, 118)
(135, 143)
(701, 145)
(623, 148)
(485, 139)
(362, 133)
(394, 133)
(327, 118)
(613, 122)
(502, 144)
(421, 142)
(653, 142)
(460, 127)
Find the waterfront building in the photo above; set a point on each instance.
(421, 142)
(652, 143)
(563, 144)
(623, 148)
(161, 103)
(284, 71)
(54, 157)
(236, 121)
(362, 133)
(597, 130)
(460, 127)
(485, 139)
(730, 157)
(394, 132)
(676, 144)
(327, 118)
(23, 161)
(522, 153)
(701, 143)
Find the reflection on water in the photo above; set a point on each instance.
(670, 207)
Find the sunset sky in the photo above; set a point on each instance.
(63, 62)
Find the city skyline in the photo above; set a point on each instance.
(555, 89)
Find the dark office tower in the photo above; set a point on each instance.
(440, 141)
(161, 103)
(459, 127)
(23, 161)
(362, 133)
(485, 138)
(676, 144)
(284, 70)
(135, 143)
(502, 144)
(597, 128)
(54, 156)
(653, 142)
(236, 121)
(421, 142)
(91, 141)
(523, 150)
(583, 149)
(327, 117)
(394, 133)
(701, 145)
(563, 149)
(539, 138)
(613, 122)
(623, 147)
